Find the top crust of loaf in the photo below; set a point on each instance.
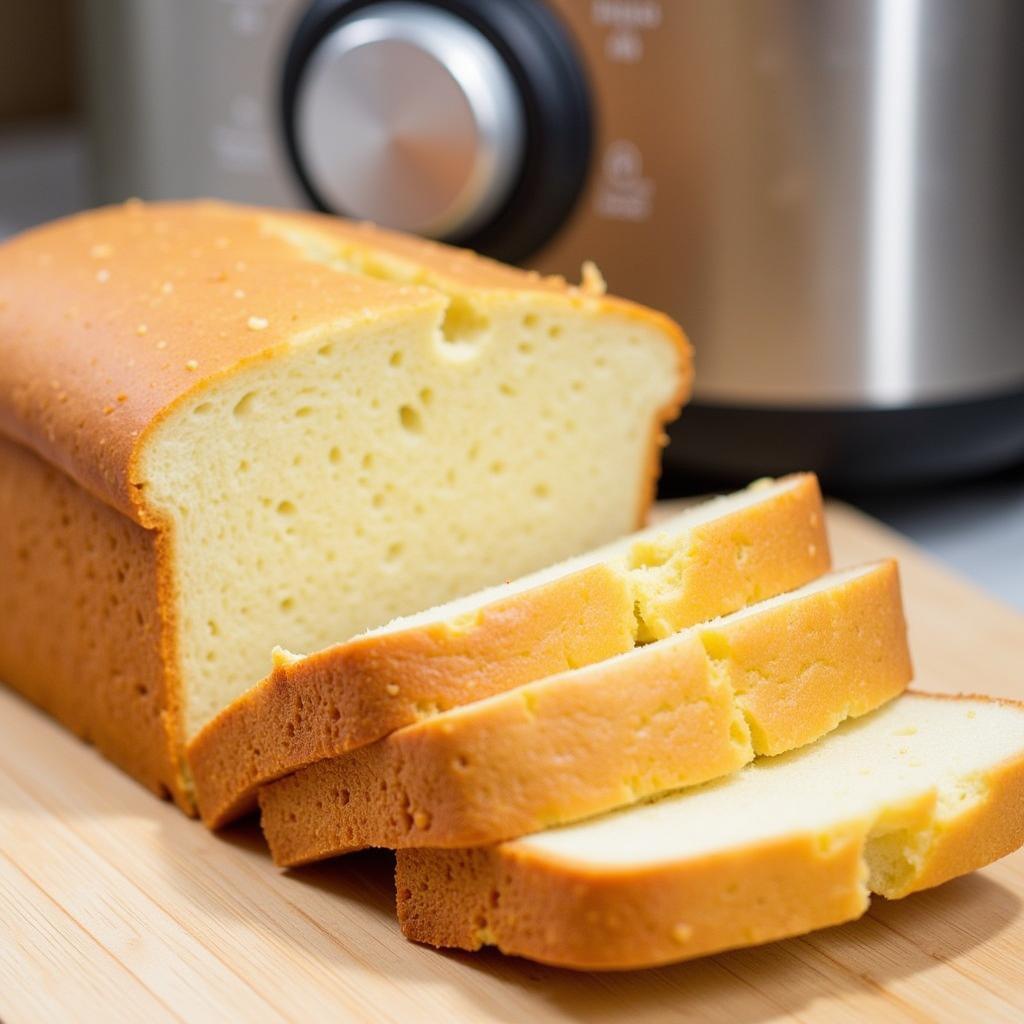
(110, 319)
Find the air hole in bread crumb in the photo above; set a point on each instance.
(541, 490)
(325, 350)
(462, 323)
(525, 348)
(497, 467)
(378, 500)
(243, 466)
(555, 331)
(334, 455)
(287, 604)
(507, 389)
(367, 461)
(244, 405)
(286, 508)
(394, 550)
(530, 320)
(396, 358)
(303, 411)
(410, 419)
(203, 408)
(426, 396)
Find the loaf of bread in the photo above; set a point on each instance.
(674, 713)
(920, 791)
(707, 561)
(224, 428)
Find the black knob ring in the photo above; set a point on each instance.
(558, 116)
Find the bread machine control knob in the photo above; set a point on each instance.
(408, 116)
(462, 120)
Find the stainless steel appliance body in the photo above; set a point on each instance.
(827, 194)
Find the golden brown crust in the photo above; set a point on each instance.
(542, 754)
(354, 693)
(617, 920)
(80, 629)
(559, 911)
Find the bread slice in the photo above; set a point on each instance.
(674, 713)
(920, 791)
(224, 427)
(709, 560)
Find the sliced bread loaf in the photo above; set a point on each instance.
(918, 792)
(709, 560)
(674, 713)
(223, 428)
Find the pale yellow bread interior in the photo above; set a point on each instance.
(650, 558)
(373, 468)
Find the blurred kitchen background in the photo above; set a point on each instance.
(827, 195)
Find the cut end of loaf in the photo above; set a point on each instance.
(366, 472)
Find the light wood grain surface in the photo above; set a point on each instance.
(115, 907)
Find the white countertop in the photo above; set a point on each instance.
(976, 527)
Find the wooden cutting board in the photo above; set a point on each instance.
(114, 906)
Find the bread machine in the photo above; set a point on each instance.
(827, 195)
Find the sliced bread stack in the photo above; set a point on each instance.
(710, 560)
(690, 740)
(672, 713)
(223, 428)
